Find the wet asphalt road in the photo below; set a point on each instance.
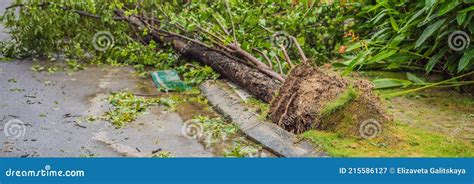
(50, 110)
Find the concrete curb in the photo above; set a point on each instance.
(274, 138)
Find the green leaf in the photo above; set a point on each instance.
(301, 40)
(448, 6)
(394, 24)
(353, 46)
(390, 83)
(402, 57)
(355, 61)
(435, 60)
(396, 41)
(428, 32)
(382, 55)
(460, 17)
(468, 20)
(466, 59)
(467, 10)
(415, 16)
(429, 3)
(414, 78)
(428, 19)
(378, 17)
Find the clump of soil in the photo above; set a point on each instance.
(312, 98)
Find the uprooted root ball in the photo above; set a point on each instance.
(314, 99)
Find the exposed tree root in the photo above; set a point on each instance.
(314, 99)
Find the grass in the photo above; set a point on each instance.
(436, 96)
(340, 102)
(398, 141)
(260, 107)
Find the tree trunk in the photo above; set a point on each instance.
(256, 83)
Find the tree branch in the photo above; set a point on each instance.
(287, 58)
(300, 50)
(270, 64)
(259, 65)
(279, 66)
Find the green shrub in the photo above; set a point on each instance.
(413, 35)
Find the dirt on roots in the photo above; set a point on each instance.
(312, 98)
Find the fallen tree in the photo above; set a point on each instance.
(308, 99)
(262, 85)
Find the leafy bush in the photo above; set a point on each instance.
(40, 29)
(319, 28)
(413, 35)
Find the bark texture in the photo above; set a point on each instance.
(255, 82)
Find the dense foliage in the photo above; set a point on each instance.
(265, 25)
(56, 29)
(415, 35)
(383, 35)
(47, 30)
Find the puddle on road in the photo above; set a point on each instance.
(152, 130)
(235, 145)
(188, 110)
